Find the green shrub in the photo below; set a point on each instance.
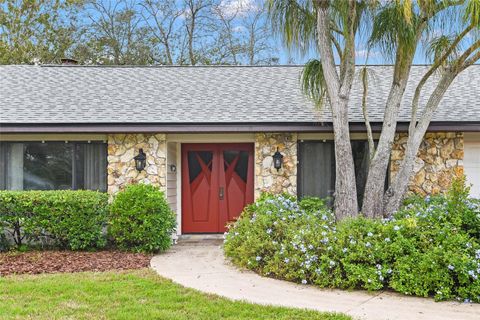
(140, 219)
(67, 219)
(429, 248)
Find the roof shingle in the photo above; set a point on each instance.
(217, 94)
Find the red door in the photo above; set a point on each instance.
(217, 183)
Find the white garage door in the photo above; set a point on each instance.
(472, 166)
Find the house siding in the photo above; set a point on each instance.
(439, 161)
(172, 176)
(121, 166)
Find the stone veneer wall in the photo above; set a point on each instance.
(439, 161)
(267, 178)
(121, 166)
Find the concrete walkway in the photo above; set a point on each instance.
(202, 266)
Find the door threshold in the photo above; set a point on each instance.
(202, 239)
(201, 236)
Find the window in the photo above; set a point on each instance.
(317, 168)
(53, 165)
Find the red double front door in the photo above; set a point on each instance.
(217, 183)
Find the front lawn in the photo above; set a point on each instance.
(138, 294)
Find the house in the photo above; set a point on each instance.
(209, 134)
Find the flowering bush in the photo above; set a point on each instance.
(430, 248)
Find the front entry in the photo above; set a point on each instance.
(217, 183)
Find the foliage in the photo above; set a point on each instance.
(127, 32)
(140, 219)
(429, 248)
(35, 31)
(127, 295)
(65, 218)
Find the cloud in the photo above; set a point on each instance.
(362, 54)
(238, 7)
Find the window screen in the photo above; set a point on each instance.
(317, 168)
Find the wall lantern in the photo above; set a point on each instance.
(140, 160)
(173, 168)
(277, 160)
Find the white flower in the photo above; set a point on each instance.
(269, 231)
(286, 260)
(344, 250)
(258, 258)
(369, 234)
(304, 281)
(387, 239)
(368, 244)
(396, 228)
(450, 267)
(332, 263)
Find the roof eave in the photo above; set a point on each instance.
(471, 126)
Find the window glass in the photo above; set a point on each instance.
(53, 165)
(47, 166)
(317, 168)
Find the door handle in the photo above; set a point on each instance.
(221, 193)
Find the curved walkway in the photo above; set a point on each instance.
(202, 266)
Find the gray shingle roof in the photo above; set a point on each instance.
(78, 94)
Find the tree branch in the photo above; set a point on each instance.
(430, 72)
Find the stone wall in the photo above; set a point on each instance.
(121, 166)
(267, 178)
(440, 159)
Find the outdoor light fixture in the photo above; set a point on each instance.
(277, 160)
(140, 160)
(173, 168)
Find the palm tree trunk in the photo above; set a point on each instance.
(346, 204)
(377, 172)
(398, 189)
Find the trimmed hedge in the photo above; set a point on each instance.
(429, 248)
(62, 218)
(140, 219)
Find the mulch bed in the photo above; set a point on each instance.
(37, 262)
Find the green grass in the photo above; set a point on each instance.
(139, 294)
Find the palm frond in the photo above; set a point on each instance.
(472, 13)
(392, 28)
(295, 22)
(313, 81)
(438, 47)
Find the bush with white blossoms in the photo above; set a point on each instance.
(429, 248)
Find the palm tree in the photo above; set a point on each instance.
(333, 29)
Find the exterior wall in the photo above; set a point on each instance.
(172, 176)
(267, 178)
(121, 166)
(439, 161)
